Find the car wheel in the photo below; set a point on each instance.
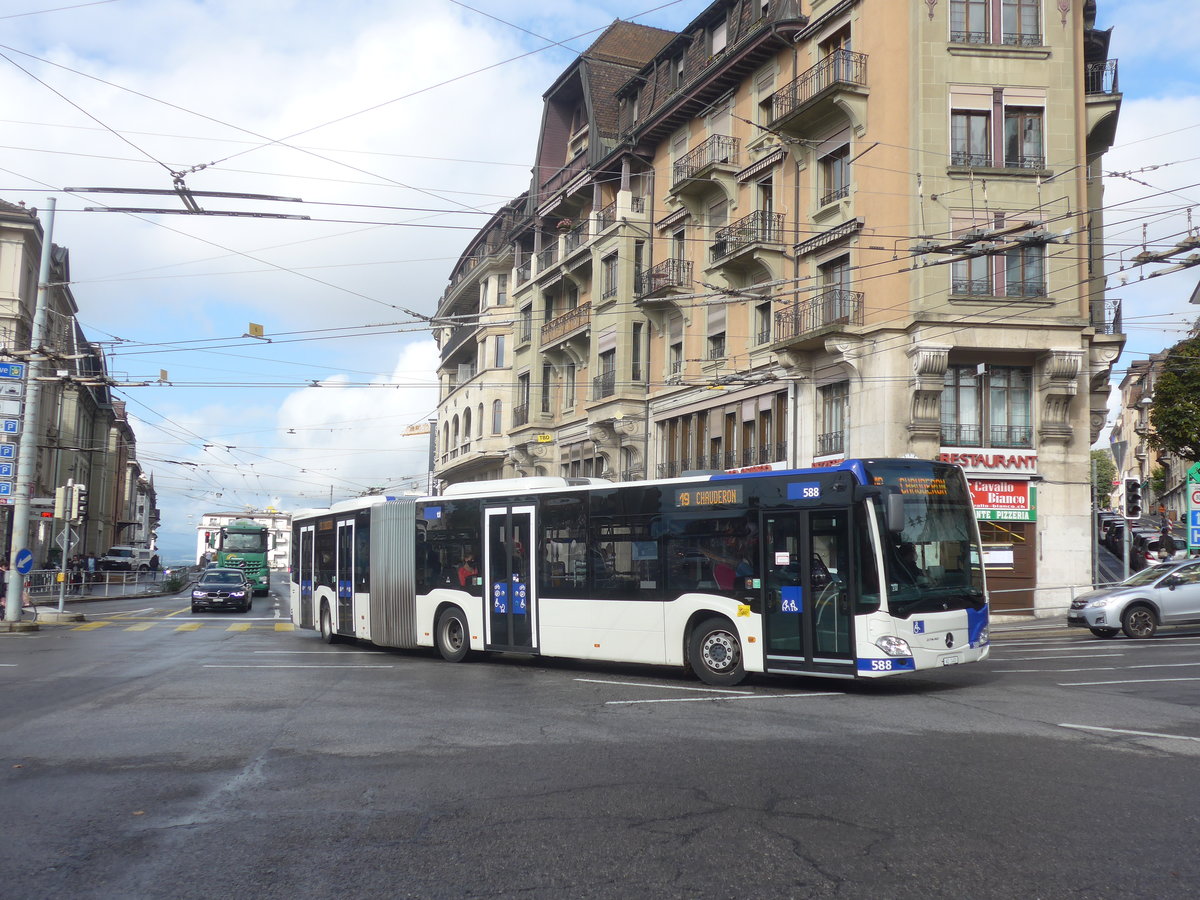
(246, 606)
(327, 633)
(453, 635)
(1139, 622)
(195, 609)
(715, 653)
(1105, 632)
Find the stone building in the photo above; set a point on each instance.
(796, 232)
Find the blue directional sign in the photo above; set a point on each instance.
(6, 488)
(24, 561)
(8, 451)
(12, 371)
(6, 470)
(11, 426)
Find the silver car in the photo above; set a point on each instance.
(1166, 594)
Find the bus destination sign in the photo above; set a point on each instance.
(702, 497)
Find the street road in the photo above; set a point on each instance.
(152, 753)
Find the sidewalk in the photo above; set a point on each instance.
(47, 606)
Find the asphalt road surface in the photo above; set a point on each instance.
(152, 753)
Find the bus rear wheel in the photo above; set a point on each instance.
(715, 653)
(452, 633)
(328, 635)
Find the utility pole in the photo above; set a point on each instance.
(27, 448)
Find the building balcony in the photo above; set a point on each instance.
(755, 231)
(830, 443)
(670, 273)
(567, 324)
(718, 155)
(604, 385)
(1105, 316)
(547, 257)
(458, 337)
(1102, 100)
(838, 79)
(1007, 436)
(520, 415)
(1101, 78)
(828, 310)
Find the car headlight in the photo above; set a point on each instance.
(197, 595)
(893, 646)
(1097, 604)
(237, 593)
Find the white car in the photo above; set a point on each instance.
(1166, 594)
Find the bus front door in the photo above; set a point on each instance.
(806, 602)
(511, 580)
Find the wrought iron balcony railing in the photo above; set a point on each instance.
(967, 158)
(1101, 77)
(717, 149)
(832, 307)
(668, 273)
(566, 323)
(1105, 316)
(757, 228)
(839, 67)
(604, 385)
(830, 443)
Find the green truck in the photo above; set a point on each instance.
(243, 544)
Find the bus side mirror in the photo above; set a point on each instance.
(895, 512)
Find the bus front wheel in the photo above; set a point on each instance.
(715, 653)
(453, 635)
(328, 635)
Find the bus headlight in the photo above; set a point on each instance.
(893, 646)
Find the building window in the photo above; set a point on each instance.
(970, 138)
(606, 382)
(969, 21)
(569, 386)
(675, 364)
(547, 371)
(718, 37)
(1023, 147)
(1021, 22)
(635, 365)
(1025, 271)
(499, 357)
(973, 277)
(716, 346)
(987, 406)
(610, 276)
(835, 175)
(525, 325)
(502, 290)
(832, 437)
(762, 323)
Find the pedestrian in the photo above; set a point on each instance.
(3, 583)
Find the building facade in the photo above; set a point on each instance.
(84, 436)
(796, 232)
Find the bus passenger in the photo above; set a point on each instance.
(467, 571)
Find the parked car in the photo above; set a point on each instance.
(222, 589)
(1104, 521)
(1114, 537)
(1148, 551)
(125, 559)
(1167, 594)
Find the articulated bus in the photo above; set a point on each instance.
(865, 569)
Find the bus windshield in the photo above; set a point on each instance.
(934, 563)
(239, 542)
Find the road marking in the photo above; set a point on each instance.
(1152, 734)
(318, 652)
(144, 626)
(662, 687)
(1042, 658)
(131, 612)
(1111, 668)
(89, 626)
(239, 626)
(718, 699)
(282, 666)
(190, 626)
(284, 626)
(1127, 681)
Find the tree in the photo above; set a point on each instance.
(1106, 471)
(1175, 415)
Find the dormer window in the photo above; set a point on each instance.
(718, 37)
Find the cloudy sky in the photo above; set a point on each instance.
(400, 125)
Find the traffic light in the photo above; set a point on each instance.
(60, 502)
(1133, 498)
(79, 502)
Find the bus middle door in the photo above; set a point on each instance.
(509, 552)
(806, 603)
(344, 619)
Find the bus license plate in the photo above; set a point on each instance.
(949, 660)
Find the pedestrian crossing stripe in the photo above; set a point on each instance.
(89, 626)
(240, 626)
(190, 626)
(285, 626)
(144, 626)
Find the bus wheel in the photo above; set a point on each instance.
(453, 640)
(327, 633)
(716, 653)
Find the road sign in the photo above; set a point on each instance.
(24, 561)
(6, 470)
(12, 371)
(10, 426)
(1193, 510)
(6, 488)
(8, 451)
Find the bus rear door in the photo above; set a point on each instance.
(304, 576)
(805, 601)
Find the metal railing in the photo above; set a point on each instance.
(1009, 436)
(757, 228)
(604, 385)
(717, 149)
(967, 158)
(547, 257)
(606, 216)
(520, 415)
(668, 273)
(1024, 162)
(831, 442)
(1105, 316)
(43, 583)
(1101, 77)
(839, 67)
(566, 323)
(833, 307)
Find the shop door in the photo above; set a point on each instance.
(304, 576)
(806, 602)
(344, 620)
(511, 580)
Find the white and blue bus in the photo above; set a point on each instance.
(864, 569)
